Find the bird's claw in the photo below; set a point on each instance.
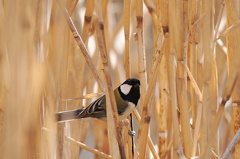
(131, 133)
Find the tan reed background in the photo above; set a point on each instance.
(61, 54)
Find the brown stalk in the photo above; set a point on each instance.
(141, 58)
(87, 96)
(235, 26)
(233, 54)
(80, 144)
(194, 84)
(71, 5)
(144, 124)
(235, 123)
(151, 10)
(209, 93)
(115, 138)
(81, 45)
(171, 67)
(233, 47)
(83, 146)
(127, 18)
(222, 66)
(149, 140)
(235, 126)
(217, 118)
(74, 126)
(126, 22)
(87, 20)
(181, 39)
(141, 50)
(166, 152)
(235, 130)
(219, 18)
(193, 16)
(4, 77)
(162, 19)
(162, 106)
(62, 91)
(233, 144)
(125, 124)
(196, 130)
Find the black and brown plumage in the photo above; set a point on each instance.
(126, 95)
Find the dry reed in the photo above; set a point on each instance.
(61, 55)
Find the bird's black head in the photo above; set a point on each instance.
(130, 90)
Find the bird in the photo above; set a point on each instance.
(126, 95)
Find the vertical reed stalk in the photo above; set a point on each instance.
(236, 118)
(233, 46)
(208, 76)
(141, 59)
(162, 17)
(87, 20)
(126, 22)
(181, 39)
(144, 124)
(127, 18)
(141, 50)
(4, 78)
(193, 15)
(115, 139)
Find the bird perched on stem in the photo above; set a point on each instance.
(126, 95)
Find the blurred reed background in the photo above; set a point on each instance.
(186, 54)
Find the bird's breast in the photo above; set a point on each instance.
(127, 111)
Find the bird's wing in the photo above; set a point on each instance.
(96, 109)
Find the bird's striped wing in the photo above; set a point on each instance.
(96, 109)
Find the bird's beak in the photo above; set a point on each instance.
(136, 85)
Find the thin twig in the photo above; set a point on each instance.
(87, 96)
(82, 145)
(194, 83)
(149, 142)
(197, 129)
(229, 30)
(231, 146)
(219, 18)
(81, 45)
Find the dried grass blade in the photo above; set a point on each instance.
(144, 123)
(81, 45)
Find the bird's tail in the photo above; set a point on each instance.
(68, 115)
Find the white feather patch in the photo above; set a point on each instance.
(125, 88)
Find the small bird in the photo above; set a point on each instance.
(126, 95)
